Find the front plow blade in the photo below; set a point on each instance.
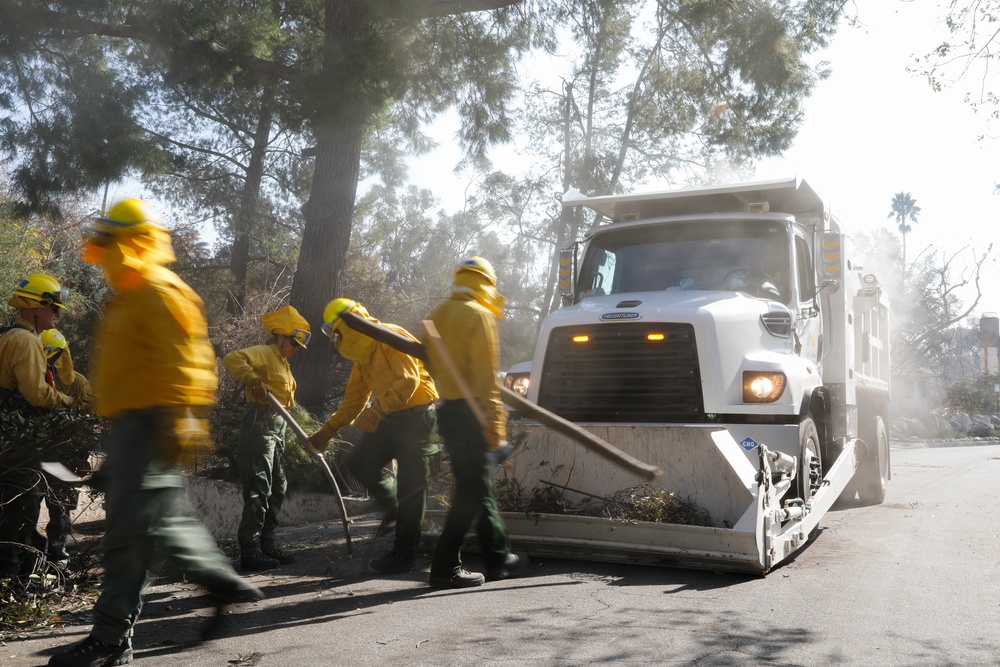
(700, 463)
(750, 530)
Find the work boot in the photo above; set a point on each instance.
(229, 589)
(283, 557)
(92, 652)
(258, 562)
(511, 566)
(461, 579)
(392, 563)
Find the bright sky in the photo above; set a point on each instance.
(873, 129)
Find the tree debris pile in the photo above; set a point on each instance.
(650, 503)
(639, 503)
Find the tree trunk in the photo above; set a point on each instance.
(249, 206)
(325, 240)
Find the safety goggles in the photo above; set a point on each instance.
(329, 329)
(300, 336)
(58, 298)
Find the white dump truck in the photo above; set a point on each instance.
(725, 335)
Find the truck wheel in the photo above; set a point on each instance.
(873, 474)
(810, 473)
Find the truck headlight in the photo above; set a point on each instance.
(518, 382)
(762, 386)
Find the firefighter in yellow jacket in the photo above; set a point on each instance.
(155, 380)
(390, 397)
(262, 435)
(62, 498)
(467, 323)
(67, 379)
(38, 299)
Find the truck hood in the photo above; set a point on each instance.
(671, 306)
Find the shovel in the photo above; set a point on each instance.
(345, 521)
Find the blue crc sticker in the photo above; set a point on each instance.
(749, 444)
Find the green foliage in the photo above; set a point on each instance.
(403, 258)
(30, 435)
(16, 258)
(975, 396)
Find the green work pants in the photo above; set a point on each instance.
(20, 502)
(262, 474)
(149, 521)
(472, 501)
(406, 438)
(21, 489)
(60, 500)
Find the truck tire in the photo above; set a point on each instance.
(810, 474)
(873, 474)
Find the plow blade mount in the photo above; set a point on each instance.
(749, 530)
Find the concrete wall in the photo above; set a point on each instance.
(220, 504)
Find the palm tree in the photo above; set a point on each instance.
(904, 208)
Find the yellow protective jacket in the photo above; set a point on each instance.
(22, 367)
(264, 363)
(62, 366)
(68, 380)
(153, 348)
(469, 333)
(394, 381)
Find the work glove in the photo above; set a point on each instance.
(186, 431)
(256, 389)
(368, 420)
(320, 440)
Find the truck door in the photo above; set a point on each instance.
(807, 323)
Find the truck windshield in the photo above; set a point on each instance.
(742, 255)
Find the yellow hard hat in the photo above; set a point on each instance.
(128, 218)
(39, 290)
(288, 322)
(54, 342)
(331, 314)
(480, 266)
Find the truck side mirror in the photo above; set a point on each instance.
(828, 287)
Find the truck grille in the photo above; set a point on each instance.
(620, 375)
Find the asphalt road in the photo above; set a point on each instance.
(912, 582)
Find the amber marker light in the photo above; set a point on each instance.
(655, 337)
(582, 338)
(762, 386)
